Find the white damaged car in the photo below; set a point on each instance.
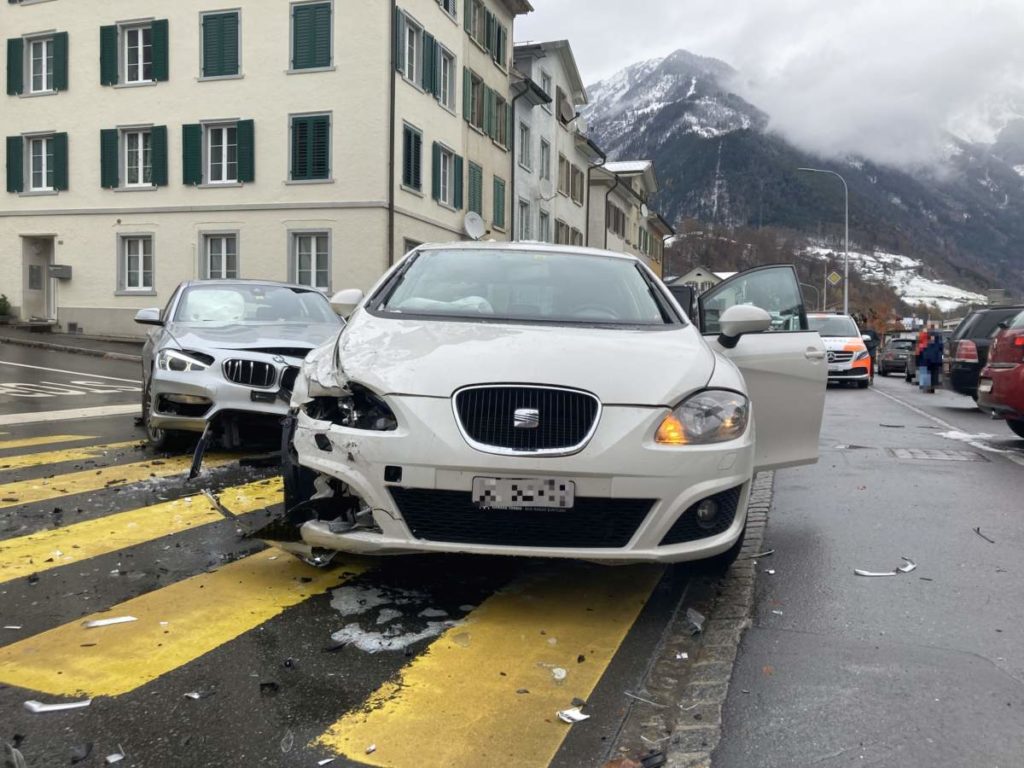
(540, 400)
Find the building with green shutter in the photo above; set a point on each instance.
(311, 141)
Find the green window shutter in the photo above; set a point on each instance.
(399, 40)
(60, 161)
(406, 156)
(15, 66)
(108, 56)
(15, 164)
(457, 185)
(320, 147)
(300, 148)
(220, 44)
(499, 202)
(467, 95)
(435, 180)
(488, 40)
(246, 132)
(161, 43)
(109, 165)
(60, 61)
(192, 154)
(311, 36)
(427, 73)
(322, 35)
(417, 160)
(158, 147)
(467, 16)
(476, 188)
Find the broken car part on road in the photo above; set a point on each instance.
(909, 566)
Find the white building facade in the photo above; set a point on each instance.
(620, 216)
(148, 143)
(554, 156)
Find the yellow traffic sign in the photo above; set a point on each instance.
(835, 278)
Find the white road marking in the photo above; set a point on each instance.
(70, 414)
(73, 373)
(1011, 455)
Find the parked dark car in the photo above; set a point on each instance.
(1001, 386)
(893, 358)
(967, 351)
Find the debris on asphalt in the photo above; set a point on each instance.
(14, 757)
(696, 619)
(288, 741)
(558, 674)
(682, 656)
(777, 613)
(580, 659)
(326, 761)
(769, 553)
(197, 456)
(116, 757)
(269, 688)
(893, 426)
(572, 715)
(33, 579)
(371, 749)
(12, 626)
(80, 752)
(578, 702)
(217, 505)
(986, 538)
(38, 707)
(907, 567)
(770, 571)
(197, 695)
(653, 760)
(108, 622)
(521, 691)
(336, 645)
(645, 701)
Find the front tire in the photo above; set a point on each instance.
(719, 564)
(298, 480)
(862, 384)
(160, 439)
(1017, 426)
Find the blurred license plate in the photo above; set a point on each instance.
(985, 385)
(836, 367)
(523, 493)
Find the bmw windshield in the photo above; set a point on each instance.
(246, 303)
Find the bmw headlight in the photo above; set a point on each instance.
(181, 360)
(710, 416)
(862, 355)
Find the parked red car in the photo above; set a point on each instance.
(1001, 386)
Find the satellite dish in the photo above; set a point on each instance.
(547, 189)
(567, 112)
(474, 225)
(644, 210)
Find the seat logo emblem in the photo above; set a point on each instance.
(831, 356)
(526, 418)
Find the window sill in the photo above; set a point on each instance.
(412, 190)
(145, 84)
(477, 129)
(37, 94)
(526, 168)
(578, 203)
(149, 188)
(499, 145)
(305, 182)
(496, 228)
(40, 193)
(214, 78)
(135, 292)
(219, 185)
(448, 109)
(447, 206)
(309, 70)
(413, 83)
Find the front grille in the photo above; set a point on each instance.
(686, 527)
(840, 357)
(565, 418)
(288, 378)
(250, 373)
(451, 516)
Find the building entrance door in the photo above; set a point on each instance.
(37, 285)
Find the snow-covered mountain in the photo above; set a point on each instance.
(718, 161)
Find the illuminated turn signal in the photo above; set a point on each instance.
(671, 432)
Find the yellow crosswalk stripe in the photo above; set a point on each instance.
(44, 489)
(174, 626)
(68, 454)
(31, 442)
(453, 704)
(24, 555)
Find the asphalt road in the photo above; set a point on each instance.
(921, 669)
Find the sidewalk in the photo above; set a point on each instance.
(66, 342)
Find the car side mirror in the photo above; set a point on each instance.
(865, 337)
(741, 319)
(149, 316)
(344, 302)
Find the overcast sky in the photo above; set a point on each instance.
(881, 78)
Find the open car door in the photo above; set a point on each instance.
(784, 368)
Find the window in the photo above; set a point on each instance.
(499, 203)
(138, 54)
(576, 190)
(477, 20)
(500, 120)
(222, 154)
(221, 257)
(545, 160)
(412, 158)
(311, 36)
(221, 50)
(138, 158)
(137, 263)
(476, 92)
(563, 110)
(525, 148)
(311, 148)
(564, 175)
(311, 259)
(545, 85)
(545, 227)
(218, 153)
(524, 220)
(445, 174)
(412, 43)
(575, 237)
(449, 7)
(410, 245)
(41, 65)
(41, 164)
(446, 79)
(447, 177)
(615, 220)
(476, 189)
(561, 232)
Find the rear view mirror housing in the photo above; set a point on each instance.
(739, 320)
(150, 316)
(344, 302)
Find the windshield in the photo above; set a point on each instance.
(833, 325)
(540, 286)
(245, 303)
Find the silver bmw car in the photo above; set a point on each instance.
(226, 352)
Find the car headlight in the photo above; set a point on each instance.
(180, 360)
(361, 409)
(711, 416)
(863, 355)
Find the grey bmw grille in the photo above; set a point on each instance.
(250, 373)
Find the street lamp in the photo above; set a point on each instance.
(817, 295)
(846, 261)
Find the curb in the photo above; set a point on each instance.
(74, 350)
(689, 678)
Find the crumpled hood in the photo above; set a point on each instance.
(435, 358)
(251, 335)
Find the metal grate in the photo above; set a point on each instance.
(562, 420)
(451, 516)
(839, 356)
(686, 528)
(250, 373)
(931, 454)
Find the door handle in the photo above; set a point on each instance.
(814, 354)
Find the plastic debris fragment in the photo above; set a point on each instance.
(326, 761)
(696, 619)
(116, 757)
(908, 566)
(558, 674)
(14, 757)
(986, 538)
(769, 553)
(12, 626)
(371, 749)
(640, 698)
(80, 752)
(572, 715)
(108, 622)
(37, 707)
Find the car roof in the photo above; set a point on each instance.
(524, 245)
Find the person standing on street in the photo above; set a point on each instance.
(923, 378)
(930, 360)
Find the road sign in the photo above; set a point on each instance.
(835, 278)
